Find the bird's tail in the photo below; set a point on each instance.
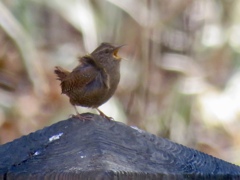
(61, 73)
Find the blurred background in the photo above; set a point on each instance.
(180, 76)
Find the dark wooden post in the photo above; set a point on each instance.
(103, 149)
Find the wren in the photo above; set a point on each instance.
(94, 80)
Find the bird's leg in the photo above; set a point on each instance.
(76, 111)
(104, 115)
(80, 116)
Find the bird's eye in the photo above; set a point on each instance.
(106, 51)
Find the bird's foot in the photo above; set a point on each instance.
(107, 117)
(81, 117)
(104, 115)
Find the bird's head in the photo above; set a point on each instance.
(106, 53)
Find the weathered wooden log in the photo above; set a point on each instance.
(103, 149)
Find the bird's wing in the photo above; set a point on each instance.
(105, 77)
(88, 59)
(79, 78)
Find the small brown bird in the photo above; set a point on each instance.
(94, 80)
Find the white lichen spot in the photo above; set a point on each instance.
(36, 153)
(55, 137)
(139, 130)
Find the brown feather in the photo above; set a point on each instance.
(61, 73)
(94, 80)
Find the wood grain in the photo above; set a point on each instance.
(103, 149)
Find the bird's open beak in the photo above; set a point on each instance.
(115, 52)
